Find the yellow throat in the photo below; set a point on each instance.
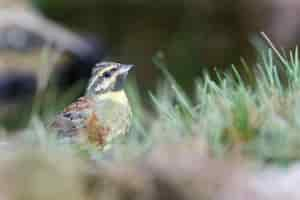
(115, 96)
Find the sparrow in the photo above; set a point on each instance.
(102, 114)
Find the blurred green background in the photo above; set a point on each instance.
(194, 34)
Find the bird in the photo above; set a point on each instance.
(102, 114)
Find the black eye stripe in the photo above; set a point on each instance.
(107, 74)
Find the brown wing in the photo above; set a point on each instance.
(79, 117)
(73, 118)
(81, 104)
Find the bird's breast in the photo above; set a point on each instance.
(113, 111)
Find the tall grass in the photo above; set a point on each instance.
(262, 121)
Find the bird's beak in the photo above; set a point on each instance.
(125, 68)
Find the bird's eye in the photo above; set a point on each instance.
(107, 74)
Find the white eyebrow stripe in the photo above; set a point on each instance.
(91, 83)
(106, 64)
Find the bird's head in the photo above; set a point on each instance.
(106, 77)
